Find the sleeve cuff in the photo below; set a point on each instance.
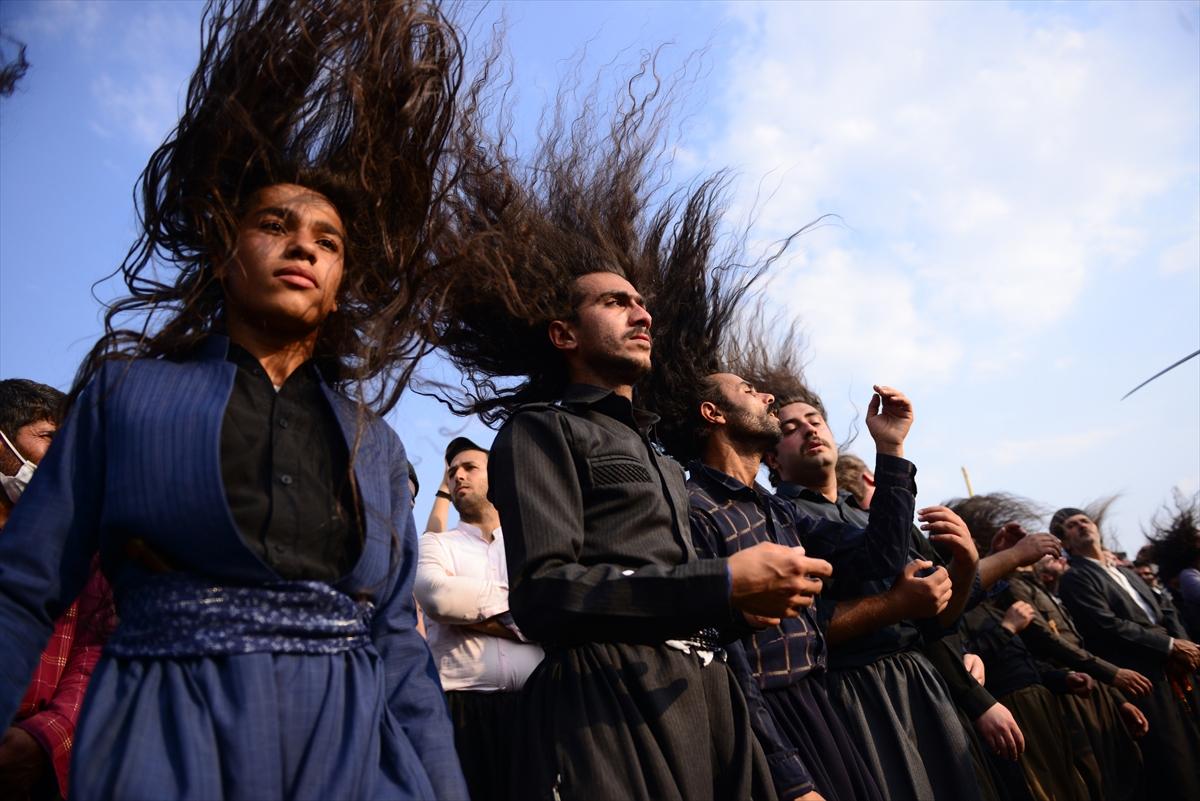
(895, 470)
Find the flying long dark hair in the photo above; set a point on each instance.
(1175, 536)
(593, 198)
(986, 514)
(355, 99)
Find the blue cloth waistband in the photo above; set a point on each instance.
(178, 615)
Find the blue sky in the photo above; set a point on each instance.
(1018, 188)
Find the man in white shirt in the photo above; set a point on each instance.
(1123, 622)
(462, 585)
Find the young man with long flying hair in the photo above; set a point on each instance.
(251, 509)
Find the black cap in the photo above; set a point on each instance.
(458, 445)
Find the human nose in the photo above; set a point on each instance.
(301, 246)
(641, 316)
(767, 398)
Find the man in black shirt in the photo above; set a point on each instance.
(630, 698)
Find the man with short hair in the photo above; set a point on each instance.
(462, 585)
(35, 752)
(730, 511)
(1123, 622)
(890, 696)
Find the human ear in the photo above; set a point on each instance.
(711, 413)
(562, 336)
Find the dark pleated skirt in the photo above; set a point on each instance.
(1171, 749)
(619, 721)
(484, 725)
(806, 718)
(1106, 755)
(1048, 761)
(900, 714)
(247, 726)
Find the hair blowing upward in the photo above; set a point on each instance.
(355, 99)
(591, 199)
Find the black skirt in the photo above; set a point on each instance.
(484, 726)
(804, 716)
(1171, 748)
(618, 721)
(1106, 754)
(1048, 761)
(900, 714)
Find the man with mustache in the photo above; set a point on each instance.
(483, 662)
(1123, 622)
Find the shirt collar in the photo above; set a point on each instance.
(476, 531)
(306, 373)
(605, 401)
(787, 489)
(712, 478)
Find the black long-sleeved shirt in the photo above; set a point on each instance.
(595, 527)
(284, 466)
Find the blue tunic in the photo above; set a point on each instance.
(139, 457)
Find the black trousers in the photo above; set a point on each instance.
(484, 726)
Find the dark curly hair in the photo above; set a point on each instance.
(355, 99)
(1174, 536)
(987, 514)
(593, 198)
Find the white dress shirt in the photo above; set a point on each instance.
(463, 578)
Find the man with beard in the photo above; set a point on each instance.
(462, 584)
(890, 697)
(1123, 622)
(731, 511)
(1103, 724)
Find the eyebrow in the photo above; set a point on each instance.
(289, 215)
(622, 295)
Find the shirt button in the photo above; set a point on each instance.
(285, 480)
(283, 422)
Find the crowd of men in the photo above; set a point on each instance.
(623, 610)
(912, 669)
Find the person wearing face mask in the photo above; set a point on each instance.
(35, 751)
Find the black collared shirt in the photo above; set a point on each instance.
(284, 464)
(595, 522)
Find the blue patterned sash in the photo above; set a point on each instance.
(176, 615)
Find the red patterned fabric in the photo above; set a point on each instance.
(51, 704)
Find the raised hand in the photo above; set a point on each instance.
(1032, 547)
(773, 581)
(1018, 617)
(921, 596)
(945, 527)
(889, 417)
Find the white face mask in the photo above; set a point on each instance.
(15, 485)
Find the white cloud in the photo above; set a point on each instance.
(989, 161)
(1016, 451)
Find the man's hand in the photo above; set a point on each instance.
(1032, 547)
(774, 581)
(758, 622)
(921, 597)
(1186, 653)
(945, 527)
(811, 795)
(22, 763)
(974, 665)
(889, 417)
(1000, 731)
(1080, 684)
(1132, 683)
(1134, 720)
(1018, 616)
